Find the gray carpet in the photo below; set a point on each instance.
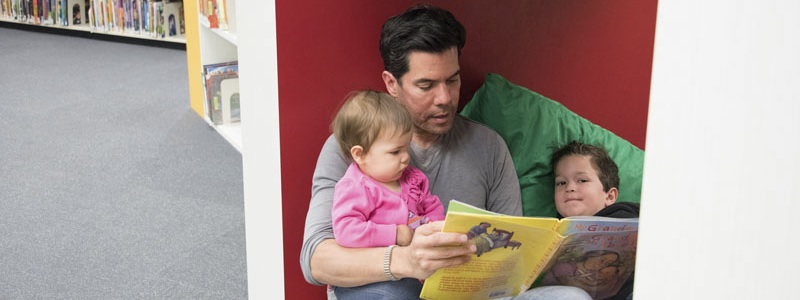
(111, 187)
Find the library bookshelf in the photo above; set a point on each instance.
(211, 39)
(135, 21)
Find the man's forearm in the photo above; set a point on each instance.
(347, 267)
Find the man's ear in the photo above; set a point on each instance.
(391, 83)
(611, 196)
(357, 153)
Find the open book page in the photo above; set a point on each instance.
(598, 255)
(511, 252)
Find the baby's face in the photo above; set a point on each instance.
(387, 158)
(578, 190)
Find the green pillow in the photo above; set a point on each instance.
(534, 126)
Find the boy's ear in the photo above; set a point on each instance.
(611, 196)
(391, 83)
(357, 152)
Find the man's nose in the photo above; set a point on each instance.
(442, 95)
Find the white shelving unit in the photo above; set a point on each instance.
(218, 46)
(257, 136)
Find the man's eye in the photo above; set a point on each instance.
(425, 87)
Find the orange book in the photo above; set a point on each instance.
(35, 12)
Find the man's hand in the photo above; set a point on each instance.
(430, 250)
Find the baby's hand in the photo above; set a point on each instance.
(404, 235)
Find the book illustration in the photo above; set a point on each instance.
(597, 263)
(497, 238)
(415, 220)
(229, 95)
(596, 254)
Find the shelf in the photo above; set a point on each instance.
(225, 34)
(208, 46)
(88, 31)
(231, 132)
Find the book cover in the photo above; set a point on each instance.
(214, 74)
(172, 16)
(513, 253)
(229, 93)
(74, 9)
(158, 19)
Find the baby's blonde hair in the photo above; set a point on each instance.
(364, 116)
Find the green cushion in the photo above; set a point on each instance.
(534, 126)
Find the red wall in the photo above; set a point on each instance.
(592, 56)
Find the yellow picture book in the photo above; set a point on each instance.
(594, 253)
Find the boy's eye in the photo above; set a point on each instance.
(559, 183)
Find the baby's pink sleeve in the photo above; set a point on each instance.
(352, 206)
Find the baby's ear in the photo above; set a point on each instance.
(611, 196)
(357, 153)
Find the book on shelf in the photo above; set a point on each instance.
(159, 23)
(229, 96)
(214, 75)
(217, 13)
(222, 16)
(173, 17)
(597, 254)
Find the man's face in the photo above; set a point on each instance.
(429, 91)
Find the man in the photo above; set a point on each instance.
(462, 159)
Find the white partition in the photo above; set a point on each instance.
(720, 195)
(258, 87)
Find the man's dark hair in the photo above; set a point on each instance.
(606, 168)
(422, 28)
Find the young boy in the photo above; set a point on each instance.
(586, 184)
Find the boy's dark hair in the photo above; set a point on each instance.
(422, 28)
(606, 168)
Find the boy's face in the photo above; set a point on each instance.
(578, 190)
